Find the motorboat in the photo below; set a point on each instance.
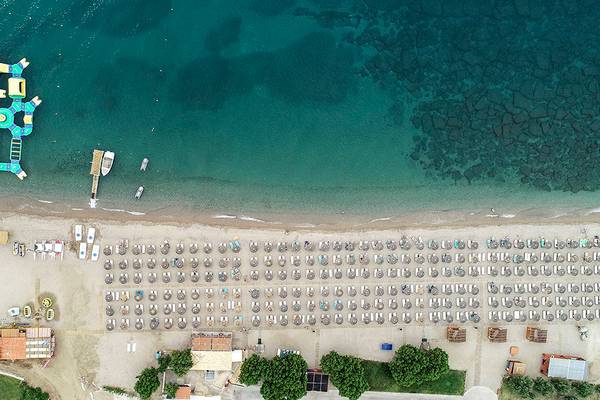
(139, 193)
(144, 165)
(107, 162)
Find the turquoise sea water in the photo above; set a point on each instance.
(358, 106)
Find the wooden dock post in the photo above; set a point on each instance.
(95, 172)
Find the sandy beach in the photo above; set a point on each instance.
(87, 353)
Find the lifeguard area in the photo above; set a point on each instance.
(10, 115)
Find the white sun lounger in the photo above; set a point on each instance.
(95, 252)
(91, 235)
(82, 251)
(78, 233)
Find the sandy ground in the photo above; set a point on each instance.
(88, 357)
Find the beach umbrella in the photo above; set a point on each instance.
(296, 246)
(179, 248)
(139, 324)
(108, 279)
(282, 275)
(283, 321)
(207, 262)
(123, 278)
(433, 258)
(296, 306)
(324, 245)
(363, 258)
(351, 259)
(164, 264)
(168, 323)
(207, 247)
(110, 325)
(137, 263)
(195, 309)
(107, 250)
(366, 319)
(224, 262)
(253, 261)
(152, 277)
(123, 264)
(256, 321)
(253, 246)
(195, 294)
(282, 247)
(109, 310)
(152, 296)
(137, 278)
(236, 262)
(268, 261)
(391, 245)
(377, 245)
(151, 263)
(268, 247)
(254, 275)
(349, 245)
(181, 309)
(151, 249)
(136, 250)
(108, 264)
(193, 248)
(222, 247)
(352, 305)
(166, 277)
(182, 323)
(281, 260)
(195, 322)
(165, 247)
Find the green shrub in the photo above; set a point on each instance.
(583, 389)
(520, 385)
(116, 390)
(163, 362)
(413, 366)
(569, 397)
(171, 390)
(347, 374)
(181, 362)
(253, 370)
(542, 386)
(597, 388)
(561, 386)
(147, 383)
(32, 393)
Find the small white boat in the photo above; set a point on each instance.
(107, 162)
(139, 193)
(144, 165)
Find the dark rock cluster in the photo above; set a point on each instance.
(504, 89)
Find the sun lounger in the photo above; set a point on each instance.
(82, 251)
(78, 233)
(91, 235)
(95, 252)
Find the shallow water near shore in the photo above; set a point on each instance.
(254, 108)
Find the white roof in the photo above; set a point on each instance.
(567, 368)
(211, 360)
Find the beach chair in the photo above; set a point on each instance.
(82, 251)
(95, 252)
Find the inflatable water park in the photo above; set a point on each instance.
(9, 117)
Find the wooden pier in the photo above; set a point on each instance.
(95, 172)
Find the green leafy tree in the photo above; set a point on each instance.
(32, 393)
(253, 370)
(408, 365)
(597, 388)
(583, 389)
(543, 386)
(163, 362)
(520, 385)
(171, 390)
(181, 362)
(285, 378)
(147, 383)
(570, 397)
(561, 385)
(347, 374)
(437, 364)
